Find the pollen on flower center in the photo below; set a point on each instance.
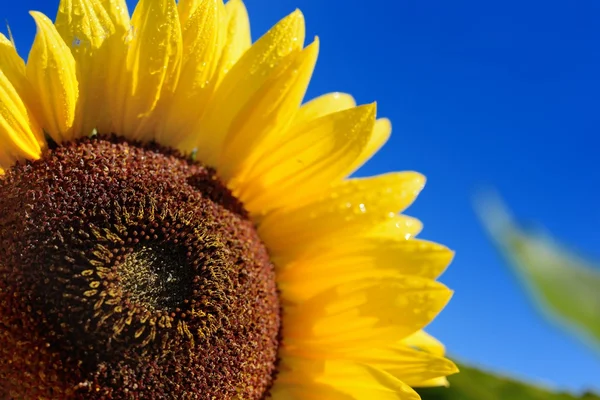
(156, 277)
(128, 269)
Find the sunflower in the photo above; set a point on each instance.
(176, 224)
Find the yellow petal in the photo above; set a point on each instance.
(152, 67)
(186, 8)
(18, 131)
(201, 47)
(118, 14)
(52, 73)
(364, 313)
(392, 228)
(334, 102)
(409, 365)
(381, 133)
(13, 66)
(423, 341)
(323, 105)
(414, 257)
(263, 121)
(83, 25)
(311, 157)
(397, 227)
(241, 83)
(88, 27)
(337, 379)
(111, 57)
(237, 33)
(303, 388)
(435, 382)
(350, 204)
(357, 260)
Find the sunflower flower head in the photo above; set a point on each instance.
(176, 223)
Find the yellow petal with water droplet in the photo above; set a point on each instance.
(186, 8)
(397, 227)
(359, 259)
(83, 25)
(19, 132)
(354, 204)
(393, 227)
(151, 68)
(108, 69)
(88, 27)
(381, 133)
(264, 120)
(52, 73)
(309, 158)
(323, 105)
(336, 379)
(118, 14)
(240, 85)
(202, 42)
(364, 313)
(236, 25)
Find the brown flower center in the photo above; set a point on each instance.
(127, 271)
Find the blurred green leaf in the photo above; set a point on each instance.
(564, 285)
(473, 384)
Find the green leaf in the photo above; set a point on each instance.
(565, 286)
(473, 384)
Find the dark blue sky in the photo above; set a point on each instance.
(501, 94)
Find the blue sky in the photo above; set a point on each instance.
(500, 94)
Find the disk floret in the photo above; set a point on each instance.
(127, 266)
